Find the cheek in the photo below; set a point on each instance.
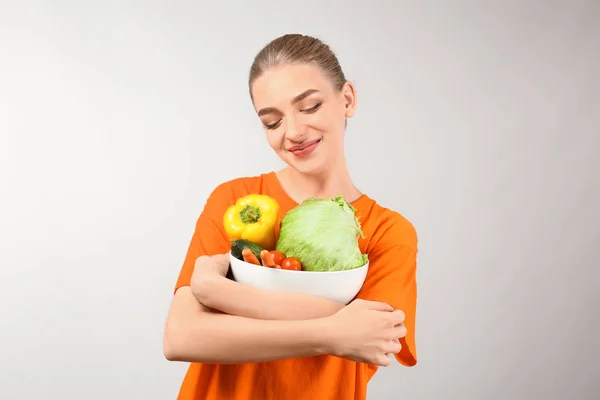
(274, 139)
(330, 123)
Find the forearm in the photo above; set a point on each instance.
(220, 338)
(236, 299)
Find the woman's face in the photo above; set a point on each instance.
(304, 115)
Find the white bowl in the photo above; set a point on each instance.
(341, 286)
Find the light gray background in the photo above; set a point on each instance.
(479, 121)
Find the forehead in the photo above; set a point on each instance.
(279, 85)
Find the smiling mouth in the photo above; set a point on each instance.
(303, 146)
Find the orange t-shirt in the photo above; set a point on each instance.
(391, 242)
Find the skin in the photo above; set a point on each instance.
(217, 320)
(288, 123)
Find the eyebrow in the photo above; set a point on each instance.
(300, 97)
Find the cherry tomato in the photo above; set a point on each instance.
(291, 263)
(277, 257)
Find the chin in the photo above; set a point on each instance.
(312, 166)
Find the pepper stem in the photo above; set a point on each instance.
(250, 214)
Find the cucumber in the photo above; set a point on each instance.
(237, 246)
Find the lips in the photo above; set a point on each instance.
(305, 149)
(303, 146)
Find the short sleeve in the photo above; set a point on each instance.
(209, 237)
(392, 279)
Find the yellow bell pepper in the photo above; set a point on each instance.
(254, 218)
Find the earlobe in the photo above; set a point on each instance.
(350, 111)
(350, 107)
(350, 99)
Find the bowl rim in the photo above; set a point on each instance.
(283, 271)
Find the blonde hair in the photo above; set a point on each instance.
(297, 49)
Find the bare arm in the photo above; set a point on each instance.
(215, 291)
(363, 331)
(195, 334)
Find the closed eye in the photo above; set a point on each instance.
(273, 125)
(306, 110)
(312, 109)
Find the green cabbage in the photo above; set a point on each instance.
(323, 234)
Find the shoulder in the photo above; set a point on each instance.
(226, 193)
(385, 227)
(239, 186)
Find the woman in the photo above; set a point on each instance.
(245, 343)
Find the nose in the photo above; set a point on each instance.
(294, 130)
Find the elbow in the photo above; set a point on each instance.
(176, 349)
(179, 345)
(187, 335)
(169, 352)
(171, 346)
(175, 340)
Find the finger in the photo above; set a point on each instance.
(399, 331)
(378, 305)
(222, 264)
(397, 317)
(383, 360)
(211, 264)
(393, 346)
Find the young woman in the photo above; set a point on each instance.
(245, 343)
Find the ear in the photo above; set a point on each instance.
(349, 98)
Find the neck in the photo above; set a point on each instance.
(332, 182)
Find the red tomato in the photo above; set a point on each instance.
(291, 263)
(277, 257)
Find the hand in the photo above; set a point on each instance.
(217, 264)
(366, 331)
(207, 269)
